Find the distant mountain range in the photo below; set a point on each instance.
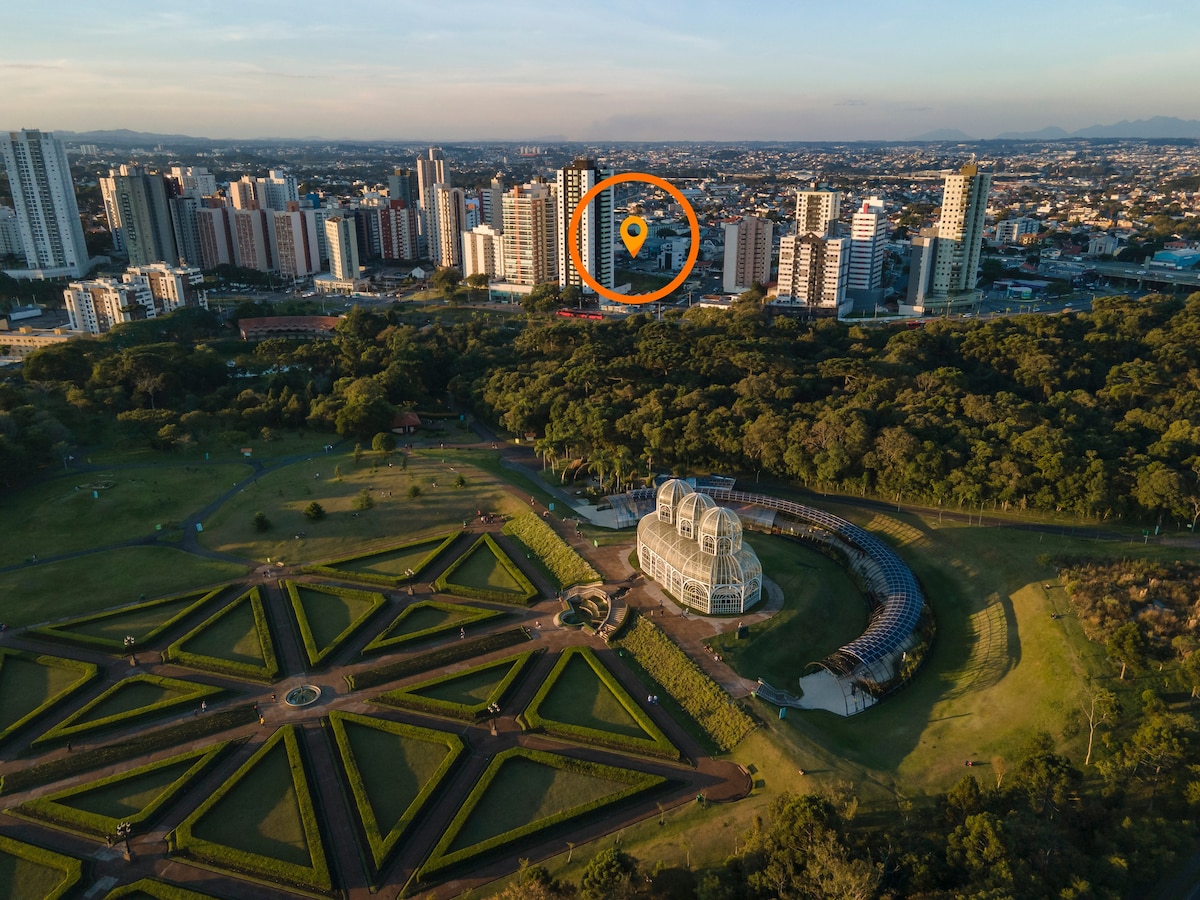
(1147, 129)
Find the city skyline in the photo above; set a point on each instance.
(670, 71)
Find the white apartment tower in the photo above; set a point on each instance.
(296, 247)
(96, 306)
(868, 232)
(530, 235)
(139, 215)
(596, 229)
(960, 232)
(747, 253)
(431, 170)
(342, 240)
(813, 270)
(39, 177)
(817, 211)
(170, 286)
(482, 252)
(447, 224)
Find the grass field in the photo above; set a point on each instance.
(395, 563)
(99, 581)
(232, 637)
(822, 611)
(482, 570)
(262, 815)
(470, 689)
(25, 685)
(60, 516)
(579, 697)
(219, 450)
(128, 797)
(128, 697)
(284, 494)
(22, 879)
(330, 614)
(394, 769)
(136, 622)
(525, 791)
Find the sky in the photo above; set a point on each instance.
(655, 70)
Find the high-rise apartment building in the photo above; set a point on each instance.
(747, 253)
(10, 234)
(170, 286)
(252, 245)
(193, 181)
(868, 233)
(296, 248)
(185, 223)
(813, 270)
(139, 215)
(491, 201)
(960, 232)
(39, 178)
(394, 223)
(530, 236)
(96, 306)
(431, 170)
(402, 185)
(342, 239)
(817, 211)
(1010, 231)
(214, 225)
(483, 252)
(448, 221)
(596, 230)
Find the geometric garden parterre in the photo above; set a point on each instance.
(409, 784)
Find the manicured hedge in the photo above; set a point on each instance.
(446, 583)
(87, 672)
(691, 687)
(435, 659)
(382, 845)
(159, 889)
(330, 568)
(48, 809)
(193, 694)
(56, 631)
(315, 877)
(657, 744)
(405, 698)
(560, 558)
(71, 868)
(440, 859)
(382, 642)
(72, 764)
(317, 655)
(266, 673)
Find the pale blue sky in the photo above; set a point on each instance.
(646, 70)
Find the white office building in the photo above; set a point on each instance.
(39, 177)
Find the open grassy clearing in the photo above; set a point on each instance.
(525, 791)
(822, 611)
(579, 697)
(98, 581)
(219, 449)
(61, 516)
(330, 614)
(26, 684)
(262, 816)
(394, 563)
(230, 636)
(394, 769)
(284, 494)
(482, 571)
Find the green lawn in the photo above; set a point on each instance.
(822, 611)
(395, 563)
(286, 443)
(21, 879)
(61, 516)
(130, 796)
(231, 636)
(98, 581)
(283, 495)
(25, 685)
(331, 614)
(525, 791)
(470, 689)
(394, 769)
(483, 571)
(136, 622)
(579, 697)
(262, 815)
(128, 697)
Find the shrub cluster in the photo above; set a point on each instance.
(701, 697)
(1163, 597)
(330, 569)
(656, 744)
(267, 672)
(440, 859)
(446, 583)
(317, 655)
(182, 692)
(407, 698)
(48, 809)
(315, 877)
(560, 558)
(87, 672)
(71, 868)
(384, 642)
(60, 631)
(436, 659)
(381, 845)
(191, 729)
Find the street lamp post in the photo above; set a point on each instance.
(130, 641)
(124, 832)
(494, 709)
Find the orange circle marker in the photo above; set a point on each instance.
(577, 218)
